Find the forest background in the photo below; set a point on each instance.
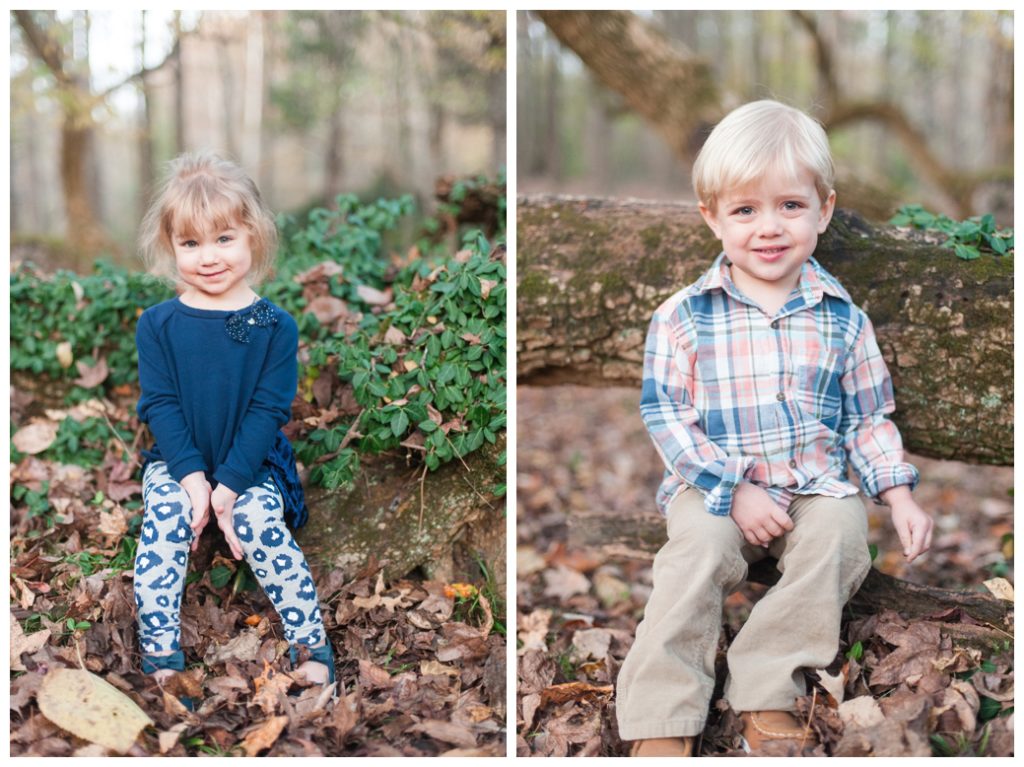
(379, 139)
(614, 106)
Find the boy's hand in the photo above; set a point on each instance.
(757, 516)
(223, 501)
(198, 490)
(913, 524)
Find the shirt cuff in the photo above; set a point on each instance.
(877, 481)
(719, 486)
(183, 467)
(232, 479)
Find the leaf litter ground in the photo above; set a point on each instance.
(419, 674)
(897, 688)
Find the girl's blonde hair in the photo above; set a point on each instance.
(758, 139)
(202, 192)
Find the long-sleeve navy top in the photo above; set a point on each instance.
(217, 386)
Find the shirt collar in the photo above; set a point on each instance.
(814, 281)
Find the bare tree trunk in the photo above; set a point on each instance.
(180, 139)
(146, 160)
(591, 272)
(552, 135)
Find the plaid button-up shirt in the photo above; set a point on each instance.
(731, 394)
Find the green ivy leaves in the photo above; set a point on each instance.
(968, 239)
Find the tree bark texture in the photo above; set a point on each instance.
(665, 84)
(393, 519)
(590, 273)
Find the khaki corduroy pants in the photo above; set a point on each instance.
(665, 685)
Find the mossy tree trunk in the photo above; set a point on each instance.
(590, 273)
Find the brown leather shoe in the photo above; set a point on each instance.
(781, 728)
(662, 747)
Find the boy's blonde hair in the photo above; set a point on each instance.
(758, 139)
(202, 192)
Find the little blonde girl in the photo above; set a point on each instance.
(218, 372)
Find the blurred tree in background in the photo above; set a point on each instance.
(311, 103)
(918, 104)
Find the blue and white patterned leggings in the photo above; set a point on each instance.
(268, 546)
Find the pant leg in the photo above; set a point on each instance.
(161, 560)
(278, 563)
(796, 624)
(668, 677)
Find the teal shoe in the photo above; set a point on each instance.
(322, 654)
(175, 662)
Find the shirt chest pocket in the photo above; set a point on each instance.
(817, 386)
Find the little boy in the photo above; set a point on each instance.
(762, 380)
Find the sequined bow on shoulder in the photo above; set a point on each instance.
(238, 324)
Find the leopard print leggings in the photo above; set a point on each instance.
(268, 546)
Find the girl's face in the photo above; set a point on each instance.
(214, 264)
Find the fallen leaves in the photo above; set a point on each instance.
(89, 707)
(912, 687)
(35, 437)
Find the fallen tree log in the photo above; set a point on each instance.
(590, 272)
(641, 535)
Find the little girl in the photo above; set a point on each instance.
(218, 372)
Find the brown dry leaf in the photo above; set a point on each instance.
(461, 642)
(570, 691)
(449, 732)
(244, 646)
(113, 523)
(433, 668)
(36, 437)
(92, 375)
(91, 708)
(862, 711)
(24, 643)
(272, 686)
(471, 338)
(1000, 588)
(486, 286)
(394, 336)
(564, 582)
(591, 643)
(917, 651)
(169, 738)
(264, 736)
(957, 708)
(609, 589)
(326, 309)
(322, 271)
(373, 677)
(345, 716)
(533, 630)
(373, 296)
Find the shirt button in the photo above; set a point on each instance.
(792, 464)
(781, 396)
(775, 324)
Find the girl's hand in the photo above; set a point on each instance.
(757, 516)
(198, 490)
(913, 524)
(223, 501)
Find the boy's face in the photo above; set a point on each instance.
(768, 229)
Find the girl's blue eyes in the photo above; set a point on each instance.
(192, 243)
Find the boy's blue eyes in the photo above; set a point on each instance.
(789, 205)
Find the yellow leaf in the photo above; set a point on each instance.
(409, 365)
(64, 354)
(1000, 588)
(91, 708)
